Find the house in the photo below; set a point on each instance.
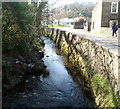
(66, 22)
(56, 22)
(103, 15)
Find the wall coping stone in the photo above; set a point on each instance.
(112, 44)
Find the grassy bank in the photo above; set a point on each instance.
(57, 26)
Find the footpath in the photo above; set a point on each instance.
(110, 43)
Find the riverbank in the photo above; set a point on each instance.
(17, 66)
(57, 89)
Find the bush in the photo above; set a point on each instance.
(17, 26)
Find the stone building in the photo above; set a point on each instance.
(103, 15)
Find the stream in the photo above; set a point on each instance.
(57, 89)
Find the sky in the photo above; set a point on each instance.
(65, 2)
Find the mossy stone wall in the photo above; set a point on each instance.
(94, 61)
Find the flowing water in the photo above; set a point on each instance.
(57, 89)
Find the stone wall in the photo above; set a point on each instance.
(87, 56)
(107, 15)
(102, 17)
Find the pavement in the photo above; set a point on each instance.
(110, 43)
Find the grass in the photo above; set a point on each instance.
(57, 26)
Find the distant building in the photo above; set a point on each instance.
(66, 22)
(56, 22)
(103, 15)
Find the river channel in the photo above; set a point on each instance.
(57, 89)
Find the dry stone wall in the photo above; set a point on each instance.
(83, 52)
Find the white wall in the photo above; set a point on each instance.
(96, 17)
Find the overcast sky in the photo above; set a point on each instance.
(64, 2)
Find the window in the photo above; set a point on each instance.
(93, 25)
(114, 7)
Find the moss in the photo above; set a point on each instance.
(38, 43)
(102, 91)
(64, 48)
(101, 87)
